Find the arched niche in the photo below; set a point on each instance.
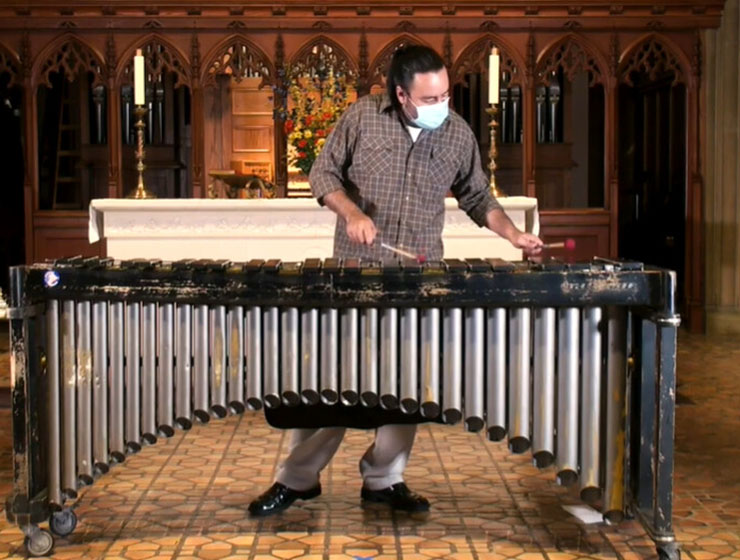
(469, 77)
(378, 68)
(12, 163)
(167, 119)
(71, 104)
(239, 129)
(651, 152)
(570, 115)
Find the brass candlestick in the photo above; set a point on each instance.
(493, 154)
(140, 192)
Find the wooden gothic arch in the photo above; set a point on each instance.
(237, 56)
(70, 54)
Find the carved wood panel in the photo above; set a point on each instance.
(9, 65)
(652, 58)
(72, 57)
(474, 59)
(239, 58)
(320, 55)
(159, 59)
(381, 63)
(570, 55)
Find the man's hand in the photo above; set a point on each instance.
(529, 243)
(498, 222)
(360, 228)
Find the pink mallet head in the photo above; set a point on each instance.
(421, 259)
(570, 245)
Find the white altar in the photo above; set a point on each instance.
(289, 229)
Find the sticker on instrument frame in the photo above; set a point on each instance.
(51, 278)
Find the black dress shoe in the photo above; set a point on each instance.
(279, 497)
(398, 497)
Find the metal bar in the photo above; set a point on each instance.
(200, 363)
(217, 340)
(310, 356)
(149, 372)
(52, 402)
(452, 366)
(616, 375)
(496, 389)
(519, 381)
(369, 357)
(590, 456)
(389, 358)
(69, 402)
(475, 371)
(289, 358)
(271, 341)
(183, 366)
(132, 364)
(569, 344)
(166, 370)
(84, 394)
(349, 351)
(409, 352)
(430, 327)
(329, 355)
(253, 346)
(116, 383)
(235, 327)
(543, 436)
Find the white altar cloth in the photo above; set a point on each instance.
(289, 229)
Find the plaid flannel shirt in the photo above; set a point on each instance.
(399, 183)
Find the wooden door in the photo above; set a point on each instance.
(652, 174)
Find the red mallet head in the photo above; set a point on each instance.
(421, 259)
(568, 245)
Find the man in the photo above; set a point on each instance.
(385, 171)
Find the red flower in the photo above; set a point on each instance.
(302, 143)
(301, 155)
(288, 126)
(308, 120)
(320, 133)
(327, 116)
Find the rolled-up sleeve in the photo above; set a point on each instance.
(328, 171)
(471, 187)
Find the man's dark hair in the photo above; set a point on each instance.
(406, 62)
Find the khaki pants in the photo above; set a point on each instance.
(381, 466)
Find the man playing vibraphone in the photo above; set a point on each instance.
(385, 171)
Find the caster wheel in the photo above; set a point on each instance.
(40, 543)
(62, 523)
(669, 554)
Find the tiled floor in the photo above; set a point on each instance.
(186, 497)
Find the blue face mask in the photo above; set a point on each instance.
(431, 116)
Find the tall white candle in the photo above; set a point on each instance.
(139, 80)
(493, 70)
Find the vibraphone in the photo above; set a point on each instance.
(575, 362)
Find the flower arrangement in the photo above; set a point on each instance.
(316, 101)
